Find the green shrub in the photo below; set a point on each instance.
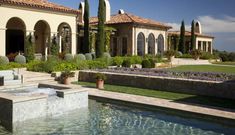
(4, 60)
(36, 66)
(68, 57)
(79, 57)
(96, 64)
(126, 63)
(206, 56)
(53, 58)
(152, 62)
(185, 56)
(11, 65)
(54, 48)
(20, 59)
(29, 49)
(146, 64)
(117, 61)
(196, 53)
(169, 53)
(136, 59)
(62, 66)
(88, 56)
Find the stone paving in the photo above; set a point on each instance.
(217, 112)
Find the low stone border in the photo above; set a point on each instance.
(178, 85)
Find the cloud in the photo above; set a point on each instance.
(212, 25)
(176, 26)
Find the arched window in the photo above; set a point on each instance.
(15, 35)
(160, 44)
(140, 44)
(151, 44)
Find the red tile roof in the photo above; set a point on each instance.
(41, 4)
(129, 18)
(187, 33)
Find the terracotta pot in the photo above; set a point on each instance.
(100, 84)
(66, 81)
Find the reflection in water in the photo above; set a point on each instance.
(108, 119)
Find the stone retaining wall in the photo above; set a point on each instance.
(197, 87)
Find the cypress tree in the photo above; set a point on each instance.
(100, 35)
(182, 47)
(30, 50)
(86, 46)
(193, 38)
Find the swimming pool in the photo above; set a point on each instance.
(105, 118)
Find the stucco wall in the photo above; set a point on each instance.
(31, 17)
(197, 87)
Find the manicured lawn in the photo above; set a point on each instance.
(205, 68)
(225, 63)
(176, 97)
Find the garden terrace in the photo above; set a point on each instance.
(208, 76)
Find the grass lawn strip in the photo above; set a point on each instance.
(205, 68)
(176, 97)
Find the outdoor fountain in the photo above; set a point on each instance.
(45, 100)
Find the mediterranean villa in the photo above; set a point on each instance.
(46, 21)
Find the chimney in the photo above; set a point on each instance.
(121, 11)
(107, 10)
(82, 9)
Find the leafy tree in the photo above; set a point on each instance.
(30, 50)
(54, 47)
(101, 33)
(182, 47)
(193, 38)
(86, 46)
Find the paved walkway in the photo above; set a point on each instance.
(217, 112)
(181, 61)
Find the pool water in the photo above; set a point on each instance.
(109, 119)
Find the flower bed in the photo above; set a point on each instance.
(209, 76)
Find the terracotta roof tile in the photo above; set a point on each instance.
(129, 18)
(41, 4)
(188, 33)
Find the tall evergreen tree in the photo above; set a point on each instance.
(101, 33)
(182, 47)
(193, 38)
(86, 47)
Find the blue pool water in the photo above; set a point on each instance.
(109, 119)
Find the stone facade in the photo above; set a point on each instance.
(196, 87)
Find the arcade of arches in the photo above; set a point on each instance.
(16, 33)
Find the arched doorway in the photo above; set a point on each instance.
(140, 44)
(160, 44)
(151, 44)
(42, 37)
(65, 37)
(15, 35)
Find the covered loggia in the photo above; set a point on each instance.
(42, 37)
(15, 35)
(160, 44)
(65, 37)
(140, 44)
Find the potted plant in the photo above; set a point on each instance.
(196, 54)
(170, 54)
(100, 80)
(65, 75)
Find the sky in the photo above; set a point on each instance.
(217, 17)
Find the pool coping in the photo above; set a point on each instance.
(215, 114)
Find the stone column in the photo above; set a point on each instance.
(207, 45)
(73, 43)
(60, 43)
(3, 41)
